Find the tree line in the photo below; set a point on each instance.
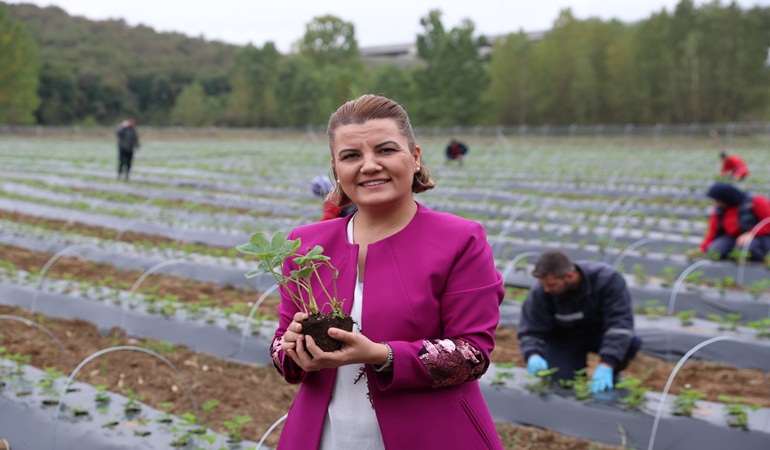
(705, 64)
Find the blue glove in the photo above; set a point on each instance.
(602, 380)
(535, 364)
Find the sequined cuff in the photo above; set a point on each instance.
(452, 361)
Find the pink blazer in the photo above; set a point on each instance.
(435, 279)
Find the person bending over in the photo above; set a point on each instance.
(573, 309)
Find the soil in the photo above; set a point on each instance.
(317, 326)
(258, 391)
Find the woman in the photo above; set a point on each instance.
(735, 215)
(421, 285)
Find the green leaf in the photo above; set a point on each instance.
(278, 239)
(305, 272)
(253, 273)
(260, 240)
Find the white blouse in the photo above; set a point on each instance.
(351, 423)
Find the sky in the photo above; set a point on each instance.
(377, 23)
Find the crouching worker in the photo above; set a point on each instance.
(456, 150)
(733, 219)
(574, 309)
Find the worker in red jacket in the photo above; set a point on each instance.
(321, 186)
(733, 167)
(735, 217)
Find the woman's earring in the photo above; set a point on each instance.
(417, 169)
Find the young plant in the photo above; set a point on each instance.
(132, 406)
(79, 411)
(235, 426)
(736, 410)
(669, 275)
(726, 323)
(208, 406)
(580, 384)
(272, 253)
(166, 417)
(736, 254)
(652, 309)
(726, 283)
(695, 277)
(544, 379)
(49, 386)
(762, 326)
(684, 404)
(636, 392)
(640, 274)
(501, 376)
(686, 316)
(758, 288)
(20, 360)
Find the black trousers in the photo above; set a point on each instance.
(124, 161)
(569, 355)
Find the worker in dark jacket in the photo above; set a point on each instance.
(128, 143)
(574, 309)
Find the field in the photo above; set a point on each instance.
(137, 285)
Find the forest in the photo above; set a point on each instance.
(693, 64)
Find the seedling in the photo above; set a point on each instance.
(685, 316)
(652, 309)
(272, 253)
(636, 392)
(579, 384)
(736, 410)
(501, 376)
(20, 360)
(132, 405)
(668, 276)
(191, 422)
(544, 379)
(79, 411)
(758, 288)
(762, 326)
(640, 274)
(695, 277)
(165, 417)
(49, 386)
(684, 405)
(727, 323)
(208, 406)
(726, 283)
(738, 254)
(234, 427)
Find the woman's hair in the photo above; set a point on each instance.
(369, 107)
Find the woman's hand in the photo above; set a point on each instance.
(356, 348)
(741, 240)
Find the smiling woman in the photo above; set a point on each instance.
(421, 286)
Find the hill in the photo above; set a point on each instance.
(143, 70)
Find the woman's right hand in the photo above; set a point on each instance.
(293, 332)
(294, 343)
